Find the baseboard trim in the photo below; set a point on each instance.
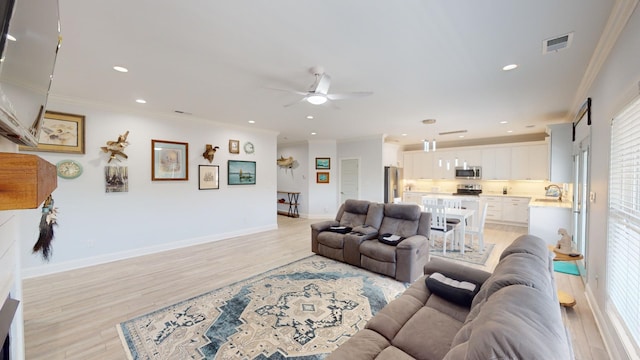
(33, 272)
(609, 343)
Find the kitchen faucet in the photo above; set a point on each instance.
(547, 188)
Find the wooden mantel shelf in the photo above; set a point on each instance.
(25, 181)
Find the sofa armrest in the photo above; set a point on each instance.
(412, 242)
(324, 225)
(456, 271)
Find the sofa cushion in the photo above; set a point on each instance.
(331, 239)
(517, 322)
(518, 268)
(427, 335)
(364, 345)
(354, 212)
(458, 292)
(528, 244)
(400, 219)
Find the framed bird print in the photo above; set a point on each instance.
(61, 133)
(169, 160)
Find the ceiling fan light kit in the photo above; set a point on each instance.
(318, 93)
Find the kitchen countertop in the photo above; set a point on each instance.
(533, 203)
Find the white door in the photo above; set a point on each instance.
(349, 179)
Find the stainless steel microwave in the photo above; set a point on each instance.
(469, 172)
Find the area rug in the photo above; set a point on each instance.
(566, 267)
(472, 254)
(302, 310)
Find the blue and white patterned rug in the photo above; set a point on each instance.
(471, 254)
(302, 310)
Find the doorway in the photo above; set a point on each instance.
(349, 179)
(581, 190)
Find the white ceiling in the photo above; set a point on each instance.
(422, 59)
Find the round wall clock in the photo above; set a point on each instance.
(69, 169)
(249, 148)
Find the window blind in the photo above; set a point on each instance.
(623, 245)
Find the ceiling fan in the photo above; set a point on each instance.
(318, 93)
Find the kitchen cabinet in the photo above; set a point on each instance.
(496, 163)
(544, 222)
(529, 162)
(444, 165)
(560, 152)
(412, 197)
(494, 208)
(507, 209)
(408, 168)
(515, 209)
(423, 165)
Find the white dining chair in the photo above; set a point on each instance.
(478, 229)
(439, 225)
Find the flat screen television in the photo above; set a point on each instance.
(28, 50)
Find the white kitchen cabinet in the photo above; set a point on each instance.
(471, 157)
(496, 163)
(560, 152)
(408, 170)
(412, 197)
(515, 209)
(494, 208)
(544, 222)
(423, 165)
(444, 165)
(529, 162)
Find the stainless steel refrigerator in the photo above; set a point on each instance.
(392, 183)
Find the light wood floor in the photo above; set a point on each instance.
(73, 315)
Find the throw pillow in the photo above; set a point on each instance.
(390, 239)
(458, 292)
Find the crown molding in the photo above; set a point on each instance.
(620, 14)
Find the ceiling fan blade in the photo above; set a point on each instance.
(296, 102)
(289, 91)
(322, 84)
(350, 95)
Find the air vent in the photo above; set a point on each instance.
(557, 43)
(453, 132)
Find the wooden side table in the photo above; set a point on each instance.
(565, 299)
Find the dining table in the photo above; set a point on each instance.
(463, 215)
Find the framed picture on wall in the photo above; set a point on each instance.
(234, 146)
(61, 133)
(169, 160)
(322, 177)
(241, 172)
(208, 177)
(323, 163)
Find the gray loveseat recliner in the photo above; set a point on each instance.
(360, 246)
(514, 315)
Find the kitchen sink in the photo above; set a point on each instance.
(547, 200)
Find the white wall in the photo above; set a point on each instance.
(369, 151)
(95, 226)
(616, 85)
(297, 177)
(323, 198)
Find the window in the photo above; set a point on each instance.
(623, 245)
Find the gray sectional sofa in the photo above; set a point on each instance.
(363, 222)
(514, 314)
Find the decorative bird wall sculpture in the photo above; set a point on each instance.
(116, 148)
(209, 152)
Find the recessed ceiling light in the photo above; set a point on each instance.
(404, 134)
(141, 101)
(313, 133)
(509, 67)
(120, 69)
(252, 121)
(11, 37)
(309, 117)
(504, 122)
(460, 136)
(509, 131)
